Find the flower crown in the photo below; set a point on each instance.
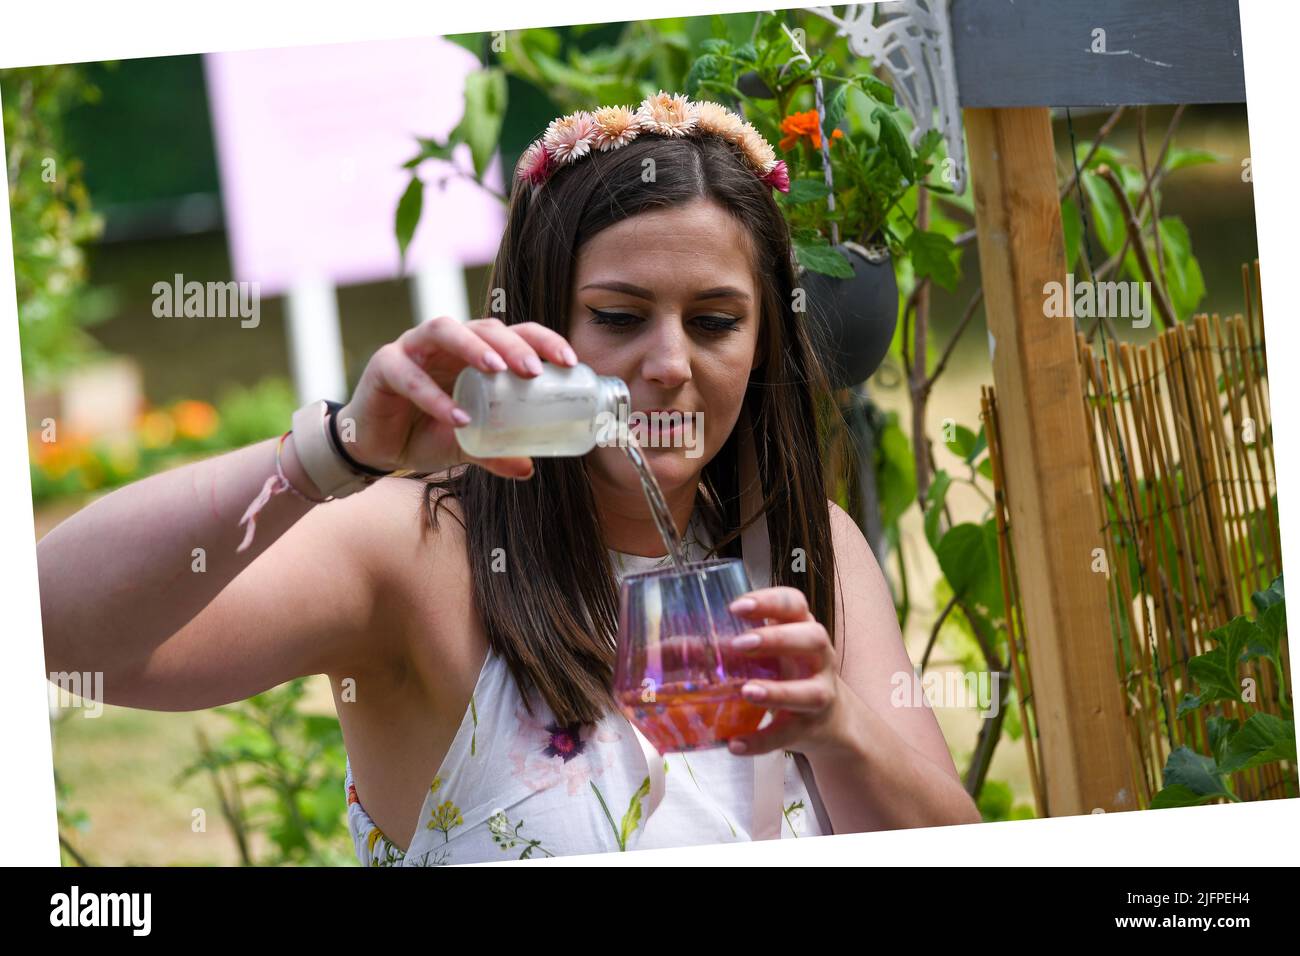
(577, 135)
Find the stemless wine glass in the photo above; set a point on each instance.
(677, 679)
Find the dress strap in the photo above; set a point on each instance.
(654, 764)
(769, 794)
(754, 543)
(769, 768)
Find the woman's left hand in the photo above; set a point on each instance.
(809, 707)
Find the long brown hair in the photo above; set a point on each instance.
(553, 616)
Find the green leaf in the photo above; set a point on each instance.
(1178, 158)
(1216, 671)
(966, 444)
(934, 255)
(1196, 772)
(836, 105)
(895, 141)
(995, 800)
(538, 40)
(1105, 213)
(968, 557)
(929, 145)
(1270, 626)
(633, 815)
(821, 256)
(934, 499)
(485, 111)
(895, 472)
(805, 190)
(1220, 730)
(429, 149)
(710, 66)
(408, 214)
(1105, 154)
(1263, 739)
(989, 591)
(875, 88)
(1182, 270)
(985, 468)
(962, 557)
(1273, 594)
(963, 440)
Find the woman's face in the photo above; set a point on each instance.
(667, 301)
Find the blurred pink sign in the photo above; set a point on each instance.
(310, 145)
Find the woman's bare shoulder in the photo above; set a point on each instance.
(416, 569)
(389, 526)
(418, 536)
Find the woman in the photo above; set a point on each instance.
(471, 659)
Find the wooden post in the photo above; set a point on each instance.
(1054, 524)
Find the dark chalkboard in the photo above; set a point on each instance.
(1040, 52)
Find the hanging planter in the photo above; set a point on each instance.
(853, 319)
(851, 164)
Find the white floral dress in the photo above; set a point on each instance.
(520, 786)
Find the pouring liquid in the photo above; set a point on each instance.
(692, 714)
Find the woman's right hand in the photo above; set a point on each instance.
(402, 415)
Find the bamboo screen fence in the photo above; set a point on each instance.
(1184, 476)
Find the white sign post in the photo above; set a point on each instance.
(310, 146)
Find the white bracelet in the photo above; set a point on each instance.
(318, 457)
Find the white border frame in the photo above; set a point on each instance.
(83, 31)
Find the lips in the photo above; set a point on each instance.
(670, 419)
(659, 427)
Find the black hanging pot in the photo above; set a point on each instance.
(853, 319)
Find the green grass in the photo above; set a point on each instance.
(121, 769)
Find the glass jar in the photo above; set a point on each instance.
(559, 413)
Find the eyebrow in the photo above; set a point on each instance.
(717, 292)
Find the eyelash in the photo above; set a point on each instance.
(719, 324)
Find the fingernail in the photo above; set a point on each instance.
(533, 364)
(570, 356)
(494, 362)
(741, 605)
(460, 416)
(737, 746)
(746, 641)
(754, 691)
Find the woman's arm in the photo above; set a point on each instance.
(894, 769)
(146, 587)
(122, 575)
(318, 601)
(878, 765)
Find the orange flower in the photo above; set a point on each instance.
(57, 458)
(799, 126)
(194, 419)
